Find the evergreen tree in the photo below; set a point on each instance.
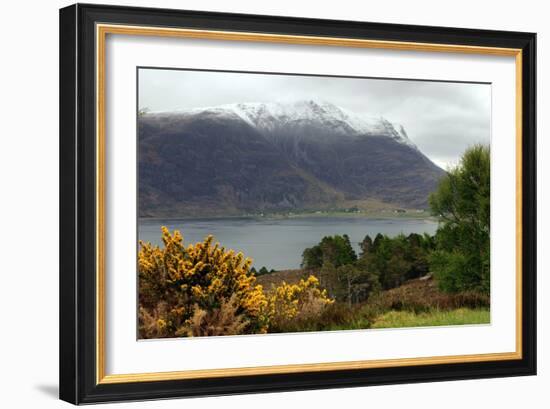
(312, 258)
(262, 271)
(462, 203)
(366, 245)
(334, 249)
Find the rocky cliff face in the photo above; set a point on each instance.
(257, 157)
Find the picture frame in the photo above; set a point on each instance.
(84, 30)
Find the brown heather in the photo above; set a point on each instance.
(221, 321)
(424, 295)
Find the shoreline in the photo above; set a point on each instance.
(320, 215)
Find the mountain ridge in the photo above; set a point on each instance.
(262, 115)
(271, 157)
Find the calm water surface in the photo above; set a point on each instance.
(279, 243)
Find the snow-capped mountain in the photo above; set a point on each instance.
(274, 116)
(262, 157)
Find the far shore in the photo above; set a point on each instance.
(374, 215)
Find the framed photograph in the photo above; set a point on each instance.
(257, 203)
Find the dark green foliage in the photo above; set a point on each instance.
(396, 260)
(336, 250)
(384, 263)
(461, 261)
(358, 282)
(262, 271)
(366, 245)
(377, 241)
(328, 279)
(312, 257)
(335, 260)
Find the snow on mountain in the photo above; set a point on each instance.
(268, 117)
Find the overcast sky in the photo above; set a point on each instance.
(441, 118)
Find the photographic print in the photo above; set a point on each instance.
(357, 199)
(281, 203)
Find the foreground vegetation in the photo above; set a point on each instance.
(204, 289)
(416, 280)
(461, 316)
(415, 303)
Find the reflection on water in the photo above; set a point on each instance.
(279, 243)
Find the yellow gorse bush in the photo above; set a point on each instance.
(296, 301)
(178, 285)
(201, 275)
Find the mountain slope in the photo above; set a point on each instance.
(256, 157)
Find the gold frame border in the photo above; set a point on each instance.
(102, 30)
